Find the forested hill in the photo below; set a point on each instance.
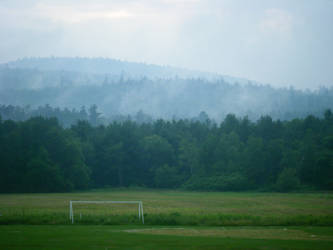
(123, 88)
(276, 139)
(106, 66)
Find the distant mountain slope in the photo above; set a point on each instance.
(163, 92)
(107, 66)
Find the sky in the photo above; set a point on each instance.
(278, 42)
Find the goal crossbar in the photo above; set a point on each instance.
(140, 207)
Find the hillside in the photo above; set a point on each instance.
(125, 88)
(107, 66)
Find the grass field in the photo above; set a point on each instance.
(144, 237)
(172, 208)
(173, 220)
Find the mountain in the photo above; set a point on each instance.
(126, 88)
(107, 66)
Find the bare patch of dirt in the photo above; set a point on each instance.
(269, 233)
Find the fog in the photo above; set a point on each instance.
(283, 43)
(121, 88)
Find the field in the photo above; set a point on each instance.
(173, 219)
(129, 237)
(171, 208)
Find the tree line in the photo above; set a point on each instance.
(40, 155)
(66, 117)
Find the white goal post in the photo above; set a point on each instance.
(140, 207)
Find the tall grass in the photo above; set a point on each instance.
(168, 219)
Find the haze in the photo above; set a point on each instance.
(282, 43)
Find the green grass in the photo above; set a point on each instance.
(172, 208)
(173, 220)
(144, 237)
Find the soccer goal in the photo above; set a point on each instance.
(140, 207)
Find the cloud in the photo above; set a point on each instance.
(277, 22)
(71, 14)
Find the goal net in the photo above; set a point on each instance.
(139, 203)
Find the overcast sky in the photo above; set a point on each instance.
(280, 42)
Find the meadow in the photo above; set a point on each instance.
(163, 207)
(173, 220)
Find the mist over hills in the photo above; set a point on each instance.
(109, 67)
(126, 88)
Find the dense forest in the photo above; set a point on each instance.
(121, 88)
(40, 155)
(74, 123)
